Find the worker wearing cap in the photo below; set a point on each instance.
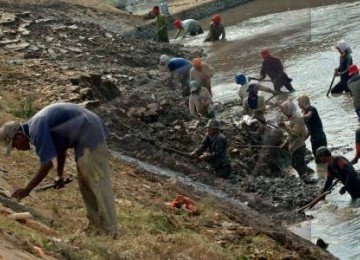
(180, 67)
(254, 105)
(273, 67)
(55, 129)
(216, 30)
(340, 168)
(161, 26)
(354, 87)
(243, 90)
(200, 101)
(313, 124)
(188, 26)
(202, 72)
(343, 70)
(214, 150)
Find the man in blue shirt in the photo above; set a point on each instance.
(181, 67)
(52, 131)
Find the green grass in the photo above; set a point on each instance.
(24, 109)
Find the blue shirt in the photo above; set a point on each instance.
(60, 126)
(180, 65)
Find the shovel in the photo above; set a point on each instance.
(318, 198)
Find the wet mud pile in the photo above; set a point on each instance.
(119, 78)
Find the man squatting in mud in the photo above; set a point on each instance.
(52, 131)
(216, 145)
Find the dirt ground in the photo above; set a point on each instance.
(55, 52)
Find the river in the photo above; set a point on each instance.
(305, 40)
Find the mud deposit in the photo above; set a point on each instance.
(69, 53)
(148, 119)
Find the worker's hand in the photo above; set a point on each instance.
(204, 157)
(281, 124)
(355, 160)
(193, 154)
(21, 193)
(59, 183)
(342, 190)
(336, 73)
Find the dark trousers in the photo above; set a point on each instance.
(316, 143)
(340, 87)
(223, 172)
(283, 81)
(298, 160)
(184, 80)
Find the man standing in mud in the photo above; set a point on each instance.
(161, 26)
(295, 141)
(340, 168)
(216, 146)
(55, 129)
(273, 67)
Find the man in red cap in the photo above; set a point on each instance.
(202, 72)
(354, 86)
(216, 30)
(161, 26)
(273, 67)
(188, 26)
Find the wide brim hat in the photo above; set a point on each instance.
(213, 124)
(7, 133)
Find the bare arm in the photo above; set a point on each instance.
(61, 163)
(41, 174)
(177, 33)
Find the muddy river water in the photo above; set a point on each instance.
(305, 40)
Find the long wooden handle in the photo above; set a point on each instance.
(332, 82)
(318, 198)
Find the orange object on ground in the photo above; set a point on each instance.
(183, 202)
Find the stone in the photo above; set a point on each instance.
(193, 124)
(73, 27)
(90, 103)
(153, 106)
(49, 39)
(75, 49)
(17, 46)
(136, 111)
(85, 93)
(108, 35)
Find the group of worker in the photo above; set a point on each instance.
(190, 27)
(299, 127)
(58, 127)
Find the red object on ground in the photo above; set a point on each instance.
(183, 202)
